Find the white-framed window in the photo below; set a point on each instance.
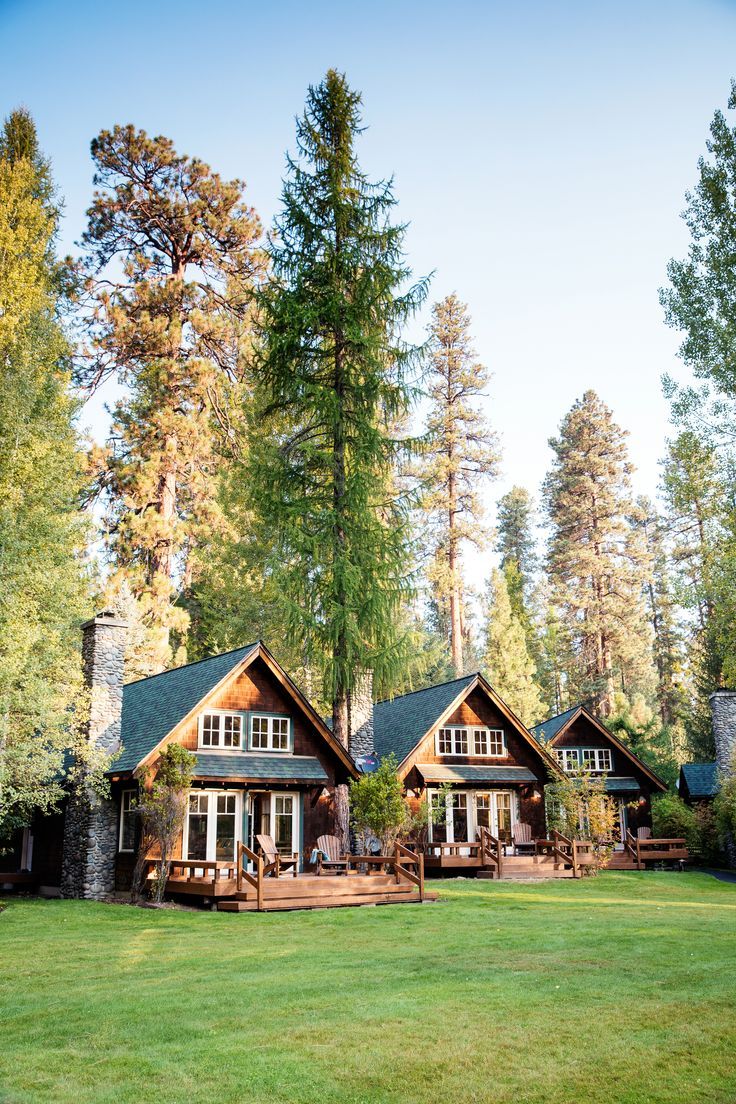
(126, 841)
(269, 733)
(218, 729)
(211, 831)
(473, 741)
(595, 760)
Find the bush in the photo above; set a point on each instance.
(377, 806)
(673, 819)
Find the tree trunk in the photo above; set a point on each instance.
(340, 701)
(456, 625)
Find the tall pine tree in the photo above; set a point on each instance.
(172, 258)
(42, 587)
(335, 376)
(509, 666)
(462, 451)
(596, 557)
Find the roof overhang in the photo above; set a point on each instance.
(479, 775)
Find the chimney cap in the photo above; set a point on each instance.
(105, 617)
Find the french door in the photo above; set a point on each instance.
(495, 811)
(468, 810)
(212, 827)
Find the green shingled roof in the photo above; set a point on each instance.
(153, 706)
(445, 772)
(399, 724)
(547, 730)
(701, 778)
(260, 768)
(622, 785)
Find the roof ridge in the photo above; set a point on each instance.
(194, 663)
(423, 689)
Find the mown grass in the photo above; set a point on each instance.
(616, 989)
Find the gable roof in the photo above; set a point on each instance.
(701, 779)
(549, 731)
(400, 723)
(154, 707)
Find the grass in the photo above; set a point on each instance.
(614, 989)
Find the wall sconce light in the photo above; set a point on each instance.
(536, 795)
(410, 794)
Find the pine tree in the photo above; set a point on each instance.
(516, 546)
(172, 258)
(42, 586)
(509, 666)
(462, 451)
(596, 558)
(335, 377)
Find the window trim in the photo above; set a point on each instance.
(270, 717)
(471, 731)
(244, 726)
(130, 812)
(563, 752)
(211, 815)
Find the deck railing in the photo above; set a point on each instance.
(491, 850)
(255, 878)
(565, 851)
(403, 859)
(196, 871)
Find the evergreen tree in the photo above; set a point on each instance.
(516, 543)
(42, 586)
(172, 258)
(462, 451)
(596, 558)
(509, 667)
(335, 377)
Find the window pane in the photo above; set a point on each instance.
(259, 732)
(231, 731)
(461, 741)
(225, 829)
(481, 741)
(127, 835)
(498, 746)
(283, 823)
(211, 730)
(460, 817)
(280, 733)
(483, 810)
(197, 837)
(445, 741)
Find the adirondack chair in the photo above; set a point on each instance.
(336, 862)
(522, 838)
(644, 833)
(276, 862)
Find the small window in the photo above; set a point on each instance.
(497, 743)
(568, 759)
(597, 760)
(480, 741)
(270, 733)
(127, 820)
(444, 741)
(221, 730)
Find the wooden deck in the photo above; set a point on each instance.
(253, 885)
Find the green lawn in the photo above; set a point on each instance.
(621, 988)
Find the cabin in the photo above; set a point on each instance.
(459, 746)
(266, 765)
(698, 782)
(579, 740)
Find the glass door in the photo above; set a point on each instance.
(284, 821)
(211, 830)
(503, 827)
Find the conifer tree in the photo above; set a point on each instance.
(596, 558)
(335, 376)
(507, 661)
(42, 586)
(172, 256)
(462, 451)
(516, 546)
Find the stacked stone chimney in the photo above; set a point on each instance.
(723, 711)
(91, 823)
(361, 715)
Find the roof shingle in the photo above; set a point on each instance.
(260, 768)
(701, 778)
(399, 724)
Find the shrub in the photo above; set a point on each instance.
(162, 807)
(673, 819)
(377, 806)
(579, 807)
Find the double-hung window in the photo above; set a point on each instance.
(221, 730)
(595, 760)
(268, 733)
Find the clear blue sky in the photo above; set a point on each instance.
(541, 153)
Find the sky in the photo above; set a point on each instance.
(540, 152)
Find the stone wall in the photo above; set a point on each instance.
(361, 715)
(91, 823)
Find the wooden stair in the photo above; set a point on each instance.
(309, 891)
(522, 868)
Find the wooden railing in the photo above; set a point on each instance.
(565, 851)
(403, 858)
(187, 871)
(631, 847)
(491, 850)
(254, 879)
(661, 850)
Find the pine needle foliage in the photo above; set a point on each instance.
(335, 375)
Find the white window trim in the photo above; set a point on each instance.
(221, 713)
(124, 850)
(472, 809)
(212, 822)
(471, 752)
(564, 753)
(271, 717)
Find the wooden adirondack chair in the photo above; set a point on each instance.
(522, 838)
(336, 862)
(276, 862)
(644, 833)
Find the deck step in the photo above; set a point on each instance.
(282, 904)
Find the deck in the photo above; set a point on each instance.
(252, 885)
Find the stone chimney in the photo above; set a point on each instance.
(361, 715)
(91, 823)
(723, 711)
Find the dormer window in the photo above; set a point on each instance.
(269, 733)
(221, 730)
(595, 760)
